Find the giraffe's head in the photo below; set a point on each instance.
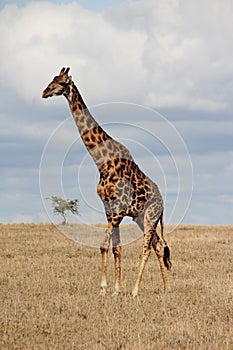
(58, 85)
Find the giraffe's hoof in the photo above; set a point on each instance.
(103, 291)
(135, 292)
(117, 291)
(167, 289)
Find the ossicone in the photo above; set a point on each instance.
(64, 71)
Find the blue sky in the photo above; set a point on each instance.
(156, 74)
(91, 5)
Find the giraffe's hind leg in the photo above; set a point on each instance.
(145, 255)
(152, 216)
(151, 219)
(158, 246)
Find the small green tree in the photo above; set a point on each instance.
(61, 206)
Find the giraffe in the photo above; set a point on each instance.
(123, 188)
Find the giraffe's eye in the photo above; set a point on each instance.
(62, 84)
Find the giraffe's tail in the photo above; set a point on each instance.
(166, 257)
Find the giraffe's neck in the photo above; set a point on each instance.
(93, 136)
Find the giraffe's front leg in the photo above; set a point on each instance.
(116, 249)
(104, 252)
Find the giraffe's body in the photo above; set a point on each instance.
(123, 188)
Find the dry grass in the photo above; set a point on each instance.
(49, 293)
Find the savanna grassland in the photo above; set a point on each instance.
(49, 293)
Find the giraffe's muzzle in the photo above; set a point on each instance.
(44, 94)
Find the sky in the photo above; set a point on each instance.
(157, 75)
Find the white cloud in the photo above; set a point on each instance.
(163, 54)
(187, 51)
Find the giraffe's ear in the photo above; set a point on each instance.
(62, 71)
(67, 70)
